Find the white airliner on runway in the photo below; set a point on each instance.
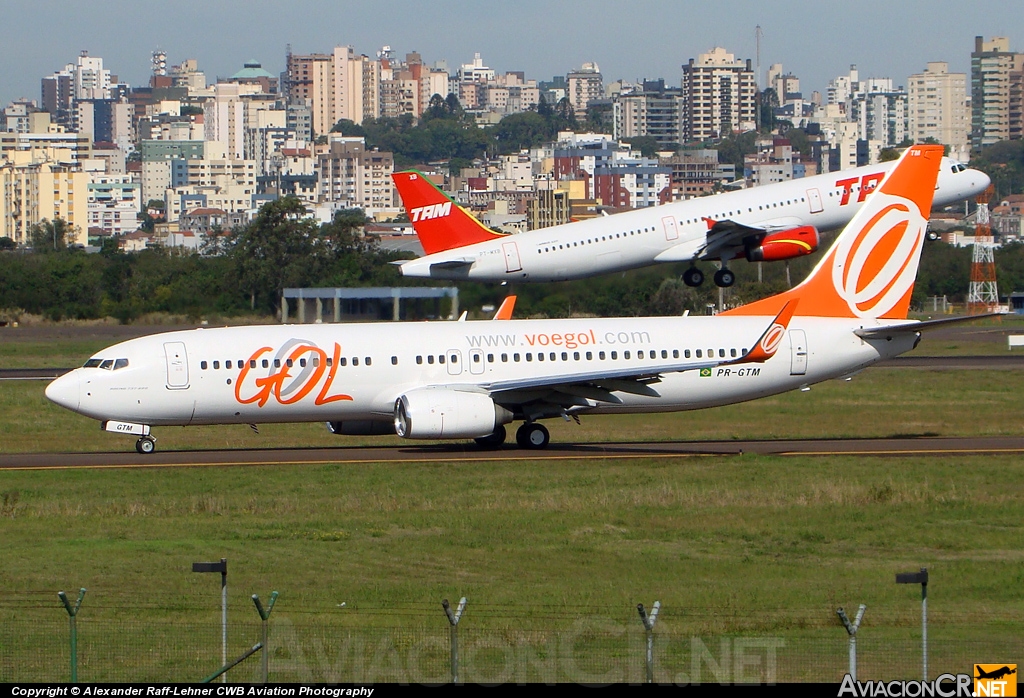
(456, 380)
(769, 223)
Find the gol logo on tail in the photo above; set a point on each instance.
(875, 268)
(289, 381)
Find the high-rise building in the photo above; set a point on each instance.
(937, 101)
(719, 96)
(584, 85)
(36, 186)
(653, 111)
(993, 66)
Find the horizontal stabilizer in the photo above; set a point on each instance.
(891, 330)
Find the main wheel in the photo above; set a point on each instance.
(145, 445)
(532, 435)
(494, 440)
(693, 277)
(724, 278)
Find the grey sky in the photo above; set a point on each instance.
(630, 40)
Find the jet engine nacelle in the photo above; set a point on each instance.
(439, 413)
(785, 244)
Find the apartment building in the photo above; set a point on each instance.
(719, 96)
(353, 176)
(35, 185)
(937, 108)
(584, 85)
(994, 68)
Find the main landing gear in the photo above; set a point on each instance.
(494, 440)
(694, 277)
(145, 445)
(532, 435)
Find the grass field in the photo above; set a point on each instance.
(733, 547)
(750, 545)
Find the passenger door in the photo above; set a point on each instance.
(512, 262)
(177, 365)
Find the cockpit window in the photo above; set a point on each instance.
(107, 364)
(120, 363)
(92, 363)
(958, 167)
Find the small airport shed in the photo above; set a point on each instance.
(363, 303)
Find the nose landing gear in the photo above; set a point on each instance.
(145, 445)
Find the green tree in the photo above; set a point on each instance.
(7, 243)
(51, 236)
(270, 252)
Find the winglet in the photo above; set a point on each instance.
(770, 341)
(505, 310)
(440, 223)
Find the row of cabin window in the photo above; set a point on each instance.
(589, 356)
(590, 241)
(265, 363)
(761, 207)
(441, 358)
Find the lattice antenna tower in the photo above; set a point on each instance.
(983, 295)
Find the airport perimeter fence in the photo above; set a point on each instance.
(327, 648)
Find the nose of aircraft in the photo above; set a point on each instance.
(979, 181)
(65, 391)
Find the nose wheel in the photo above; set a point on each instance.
(145, 445)
(532, 436)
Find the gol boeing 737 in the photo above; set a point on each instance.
(466, 380)
(769, 223)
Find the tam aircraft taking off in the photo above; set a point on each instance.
(466, 380)
(769, 223)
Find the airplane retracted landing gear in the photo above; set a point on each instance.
(693, 277)
(724, 277)
(494, 440)
(145, 445)
(532, 435)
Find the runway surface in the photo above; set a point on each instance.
(448, 453)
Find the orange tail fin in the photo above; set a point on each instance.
(870, 270)
(440, 223)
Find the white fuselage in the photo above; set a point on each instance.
(241, 375)
(675, 232)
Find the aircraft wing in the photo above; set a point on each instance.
(731, 237)
(581, 390)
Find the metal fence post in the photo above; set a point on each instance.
(453, 621)
(851, 629)
(72, 613)
(922, 579)
(649, 621)
(221, 567)
(265, 616)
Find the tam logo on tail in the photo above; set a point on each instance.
(425, 213)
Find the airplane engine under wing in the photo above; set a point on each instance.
(440, 413)
(785, 244)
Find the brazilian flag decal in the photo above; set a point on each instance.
(705, 373)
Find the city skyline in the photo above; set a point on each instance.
(224, 35)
